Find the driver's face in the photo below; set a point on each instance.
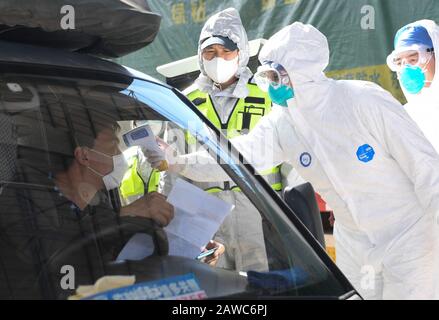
(106, 143)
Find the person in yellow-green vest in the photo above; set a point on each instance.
(227, 95)
(139, 190)
(139, 179)
(141, 194)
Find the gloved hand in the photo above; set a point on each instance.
(144, 138)
(171, 155)
(157, 159)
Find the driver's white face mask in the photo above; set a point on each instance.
(114, 179)
(221, 70)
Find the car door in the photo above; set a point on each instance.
(47, 115)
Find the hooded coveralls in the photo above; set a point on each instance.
(366, 157)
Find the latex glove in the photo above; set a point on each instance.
(144, 138)
(157, 158)
(175, 164)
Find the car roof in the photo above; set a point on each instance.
(17, 55)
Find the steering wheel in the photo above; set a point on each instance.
(141, 225)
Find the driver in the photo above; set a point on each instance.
(63, 228)
(101, 165)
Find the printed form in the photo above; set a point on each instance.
(198, 216)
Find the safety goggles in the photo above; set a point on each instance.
(271, 73)
(417, 56)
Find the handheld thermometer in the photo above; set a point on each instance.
(144, 138)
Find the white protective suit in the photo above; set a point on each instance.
(361, 151)
(424, 107)
(241, 232)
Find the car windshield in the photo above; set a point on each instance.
(66, 230)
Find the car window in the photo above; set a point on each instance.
(50, 231)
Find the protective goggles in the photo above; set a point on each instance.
(415, 56)
(273, 74)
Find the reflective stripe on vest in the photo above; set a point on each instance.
(245, 115)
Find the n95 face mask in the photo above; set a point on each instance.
(413, 78)
(408, 66)
(115, 177)
(281, 94)
(220, 70)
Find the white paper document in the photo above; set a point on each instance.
(137, 248)
(198, 216)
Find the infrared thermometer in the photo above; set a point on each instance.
(144, 138)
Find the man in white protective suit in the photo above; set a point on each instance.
(361, 151)
(227, 95)
(414, 61)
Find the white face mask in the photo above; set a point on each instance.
(220, 70)
(115, 177)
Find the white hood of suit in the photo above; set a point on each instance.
(226, 23)
(304, 53)
(301, 49)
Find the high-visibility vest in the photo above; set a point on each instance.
(244, 117)
(133, 186)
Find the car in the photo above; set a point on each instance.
(50, 99)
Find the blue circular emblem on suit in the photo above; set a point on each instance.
(365, 153)
(305, 159)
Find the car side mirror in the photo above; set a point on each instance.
(18, 97)
(302, 200)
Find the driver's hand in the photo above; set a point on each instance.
(153, 206)
(212, 260)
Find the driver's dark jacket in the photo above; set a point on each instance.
(41, 231)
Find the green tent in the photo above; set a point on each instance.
(360, 32)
